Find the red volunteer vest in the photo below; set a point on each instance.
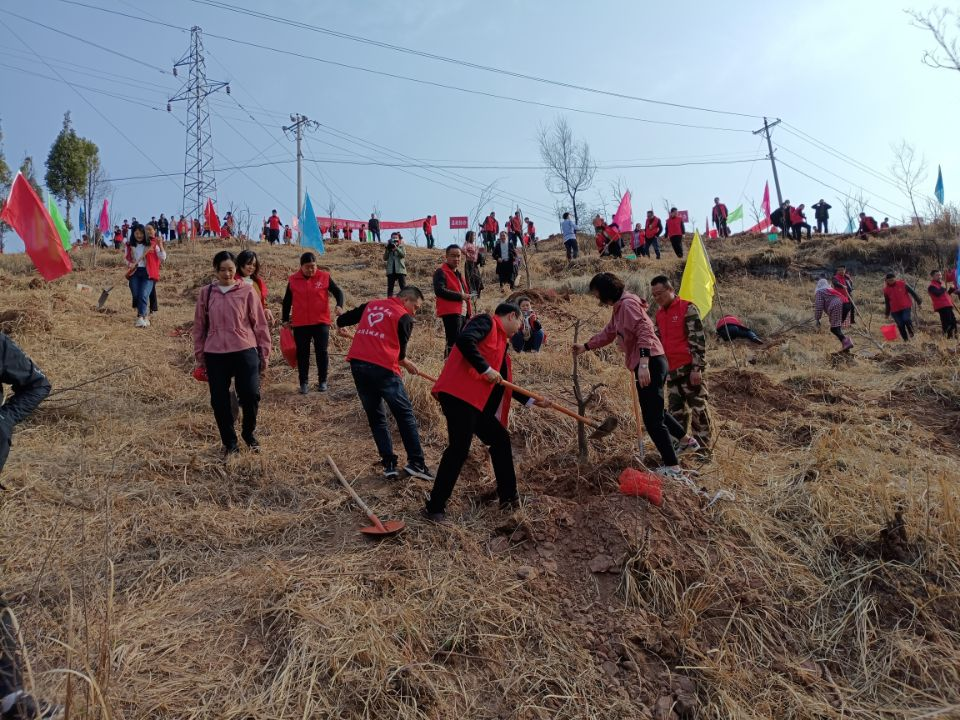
(490, 225)
(844, 293)
(274, 222)
(377, 339)
(671, 322)
(941, 301)
(453, 307)
(674, 226)
(311, 303)
(515, 224)
(653, 226)
(898, 296)
(150, 261)
(458, 378)
(719, 212)
(729, 320)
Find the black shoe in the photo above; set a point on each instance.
(321, 387)
(229, 450)
(390, 469)
(27, 707)
(418, 470)
(437, 518)
(304, 388)
(253, 444)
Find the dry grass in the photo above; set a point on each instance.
(180, 587)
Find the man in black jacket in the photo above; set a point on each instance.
(822, 211)
(30, 387)
(374, 227)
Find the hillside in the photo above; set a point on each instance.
(824, 584)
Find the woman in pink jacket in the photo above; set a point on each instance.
(231, 340)
(633, 330)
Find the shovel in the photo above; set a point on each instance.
(601, 429)
(378, 529)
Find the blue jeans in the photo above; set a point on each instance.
(377, 385)
(531, 345)
(651, 243)
(572, 249)
(904, 323)
(140, 287)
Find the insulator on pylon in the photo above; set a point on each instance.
(169, 107)
(228, 89)
(174, 70)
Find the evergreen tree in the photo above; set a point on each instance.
(68, 164)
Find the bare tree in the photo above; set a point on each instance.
(946, 54)
(484, 198)
(756, 211)
(98, 188)
(909, 171)
(570, 166)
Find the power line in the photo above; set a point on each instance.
(823, 147)
(420, 81)
(464, 63)
(842, 193)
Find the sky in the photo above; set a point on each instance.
(846, 79)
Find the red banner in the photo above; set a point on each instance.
(25, 213)
(459, 222)
(326, 222)
(684, 215)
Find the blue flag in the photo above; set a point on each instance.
(82, 225)
(309, 230)
(938, 190)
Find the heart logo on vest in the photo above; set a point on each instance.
(374, 318)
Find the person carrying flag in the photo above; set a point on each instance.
(943, 303)
(720, 218)
(378, 351)
(452, 291)
(897, 303)
(474, 403)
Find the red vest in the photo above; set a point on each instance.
(453, 307)
(729, 320)
(274, 222)
(842, 290)
(377, 340)
(515, 224)
(151, 261)
(491, 225)
(653, 227)
(898, 296)
(796, 216)
(287, 234)
(311, 304)
(674, 226)
(458, 378)
(939, 301)
(719, 212)
(672, 324)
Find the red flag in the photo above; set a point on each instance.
(624, 215)
(765, 205)
(210, 215)
(32, 222)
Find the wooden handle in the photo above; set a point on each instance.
(353, 493)
(426, 377)
(553, 406)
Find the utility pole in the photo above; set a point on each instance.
(773, 162)
(199, 180)
(298, 122)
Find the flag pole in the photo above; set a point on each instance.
(716, 291)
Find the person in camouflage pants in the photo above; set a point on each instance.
(684, 343)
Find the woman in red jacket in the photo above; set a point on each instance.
(248, 271)
(307, 300)
(144, 255)
(231, 341)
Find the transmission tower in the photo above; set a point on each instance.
(199, 182)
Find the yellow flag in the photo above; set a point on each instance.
(698, 279)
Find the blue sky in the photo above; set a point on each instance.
(845, 74)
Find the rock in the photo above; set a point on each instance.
(610, 668)
(546, 549)
(684, 684)
(499, 544)
(629, 665)
(525, 572)
(663, 708)
(549, 566)
(601, 564)
(686, 706)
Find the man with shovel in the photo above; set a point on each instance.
(475, 403)
(378, 351)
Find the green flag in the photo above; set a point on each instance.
(59, 223)
(735, 215)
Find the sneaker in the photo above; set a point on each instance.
(691, 445)
(672, 474)
(140, 322)
(437, 518)
(390, 469)
(321, 387)
(304, 388)
(146, 319)
(418, 470)
(21, 705)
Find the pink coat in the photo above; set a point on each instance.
(632, 328)
(230, 322)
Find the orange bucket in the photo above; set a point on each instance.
(889, 332)
(642, 484)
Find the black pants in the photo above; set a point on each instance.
(513, 237)
(395, 279)
(463, 422)
(722, 229)
(320, 336)
(848, 309)
(904, 322)
(677, 242)
(797, 229)
(489, 239)
(573, 249)
(505, 274)
(948, 321)
(452, 325)
(243, 367)
(273, 236)
(737, 332)
(822, 225)
(838, 332)
(659, 423)
(377, 386)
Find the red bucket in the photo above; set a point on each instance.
(642, 484)
(288, 346)
(200, 374)
(889, 332)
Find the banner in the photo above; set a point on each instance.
(698, 279)
(58, 223)
(82, 225)
(684, 215)
(765, 206)
(623, 217)
(25, 213)
(736, 214)
(311, 236)
(103, 224)
(459, 222)
(938, 189)
(326, 222)
(210, 215)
